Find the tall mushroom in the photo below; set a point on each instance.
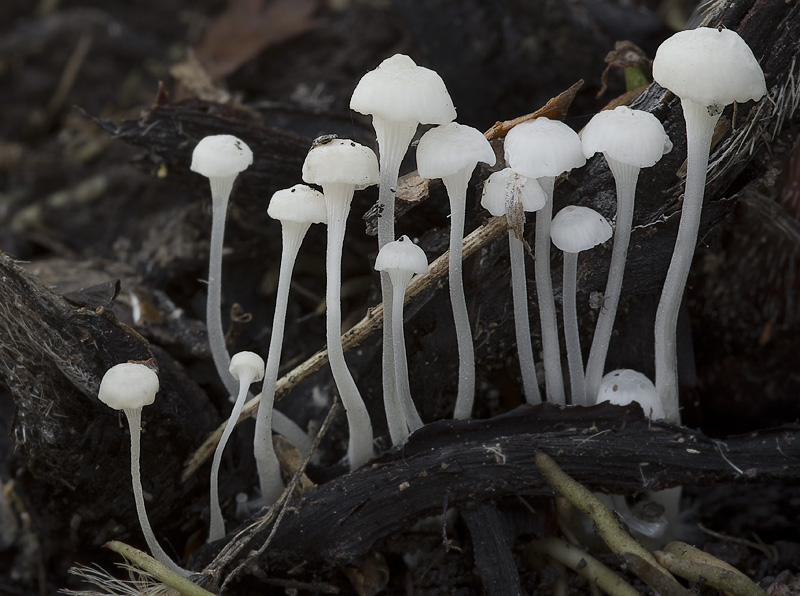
(708, 69)
(401, 259)
(575, 229)
(509, 194)
(451, 152)
(296, 208)
(629, 140)
(399, 95)
(129, 387)
(543, 149)
(340, 167)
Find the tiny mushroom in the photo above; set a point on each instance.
(129, 387)
(401, 259)
(708, 69)
(296, 208)
(340, 167)
(247, 368)
(543, 149)
(574, 230)
(451, 152)
(623, 386)
(629, 140)
(511, 195)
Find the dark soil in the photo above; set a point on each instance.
(101, 108)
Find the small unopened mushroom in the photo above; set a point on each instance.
(296, 208)
(624, 386)
(543, 149)
(340, 167)
(247, 368)
(451, 152)
(509, 194)
(399, 95)
(574, 230)
(401, 259)
(629, 140)
(129, 387)
(708, 69)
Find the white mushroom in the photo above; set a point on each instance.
(575, 229)
(451, 152)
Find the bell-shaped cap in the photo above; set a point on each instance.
(128, 386)
(449, 149)
(575, 229)
(623, 386)
(221, 156)
(402, 255)
(543, 147)
(400, 91)
(247, 363)
(300, 203)
(632, 137)
(497, 187)
(341, 161)
(710, 67)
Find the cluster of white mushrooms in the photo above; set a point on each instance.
(707, 68)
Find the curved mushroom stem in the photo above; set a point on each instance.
(519, 290)
(411, 418)
(457, 192)
(625, 177)
(393, 141)
(269, 472)
(217, 526)
(700, 123)
(554, 381)
(359, 449)
(134, 417)
(577, 380)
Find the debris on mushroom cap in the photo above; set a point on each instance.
(128, 386)
(631, 137)
(499, 184)
(400, 91)
(244, 362)
(448, 149)
(623, 386)
(575, 229)
(403, 255)
(341, 161)
(221, 156)
(543, 147)
(300, 203)
(709, 66)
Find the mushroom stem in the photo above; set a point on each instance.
(269, 473)
(519, 291)
(411, 418)
(216, 529)
(134, 416)
(337, 199)
(700, 123)
(457, 192)
(577, 380)
(554, 382)
(625, 177)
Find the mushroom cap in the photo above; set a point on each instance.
(623, 386)
(451, 148)
(543, 147)
(499, 184)
(221, 156)
(575, 229)
(400, 91)
(128, 386)
(709, 66)
(632, 137)
(243, 363)
(402, 255)
(300, 203)
(341, 161)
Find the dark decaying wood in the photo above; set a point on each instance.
(492, 539)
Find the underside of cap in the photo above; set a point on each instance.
(498, 186)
